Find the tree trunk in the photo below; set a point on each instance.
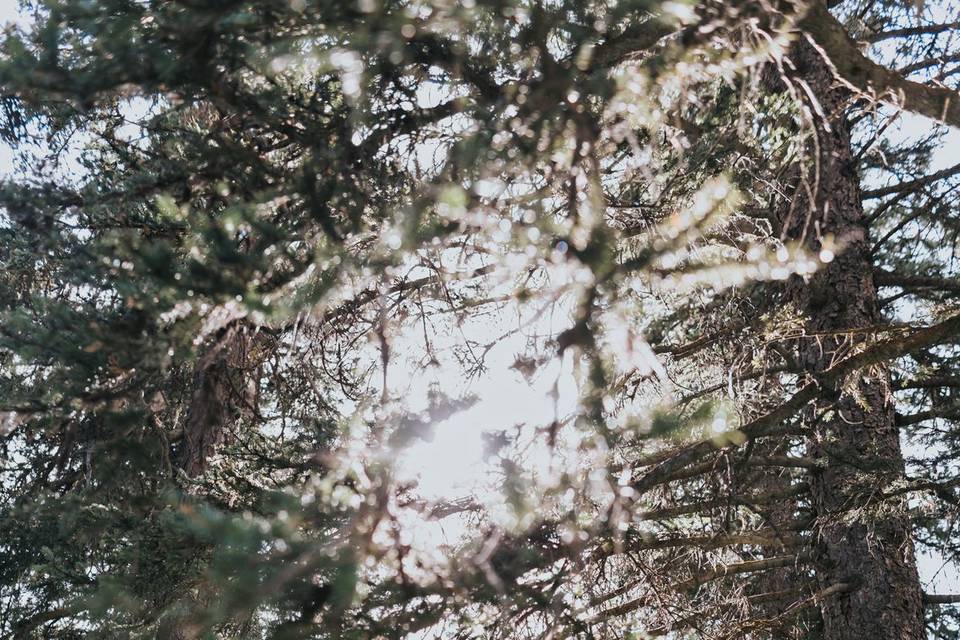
(223, 389)
(864, 551)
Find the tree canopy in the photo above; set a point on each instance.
(667, 288)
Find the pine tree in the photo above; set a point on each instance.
(228, 218)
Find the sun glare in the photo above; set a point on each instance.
(520, 389)
(461, 451)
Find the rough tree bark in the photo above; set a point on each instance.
(864, 551)
(222, 390)
(224, 387)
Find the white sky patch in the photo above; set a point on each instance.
(520, 402)
(452, 463)
(10, 12)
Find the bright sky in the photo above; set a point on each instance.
(8, 13)
(8, 10)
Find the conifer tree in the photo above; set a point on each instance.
(239, 234)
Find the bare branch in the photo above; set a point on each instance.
(937, 598)
(671, 462)
(891, 279)
(864, 75)
(912, 185)
(909, 32)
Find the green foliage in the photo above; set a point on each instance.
(241, 233)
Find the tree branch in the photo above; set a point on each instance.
(909, 32)
(671, 462)
(748, 566)
(864, 75)
(892, 279)
(937, 598)
(911, 185)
